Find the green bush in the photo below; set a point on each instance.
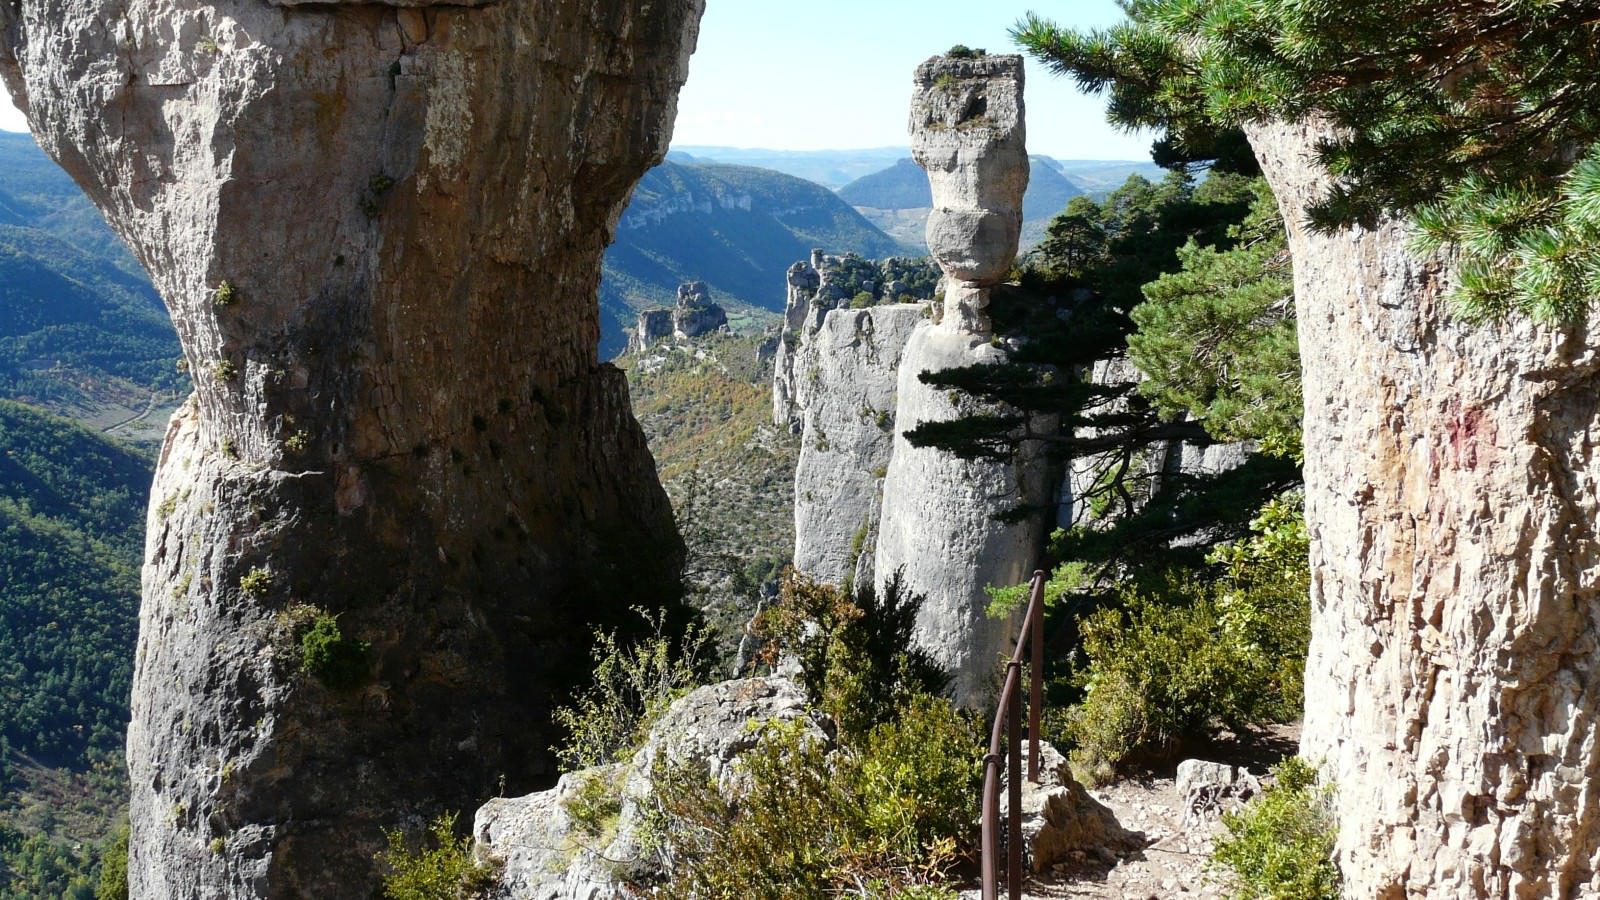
(1158, 675)
(633, 685)
(1280, 847)
(1169, 666)
(444, 871)
(857, 661)
(894, 812)
(333, 658)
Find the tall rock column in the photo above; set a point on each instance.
(404, 487)
(1452, 496)
(938, 524)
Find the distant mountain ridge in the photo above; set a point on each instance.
(737, 228)
(905, 186)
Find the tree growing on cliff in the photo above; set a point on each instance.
(1478, 120)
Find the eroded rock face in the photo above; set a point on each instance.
(938, 522)
(1452, 492)
(847, 373)
(378, 229)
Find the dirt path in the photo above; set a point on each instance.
(1174, 861)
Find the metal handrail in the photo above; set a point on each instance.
(1008, 724)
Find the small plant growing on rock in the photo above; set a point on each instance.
(443, 871)
(332, 657)
(225, 295)
(224, 370)
(596, 805)
(255, 583)
(297, 443)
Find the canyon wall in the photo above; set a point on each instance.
(404, 487)
(1452, 491)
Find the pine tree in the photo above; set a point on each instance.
(1478, 120)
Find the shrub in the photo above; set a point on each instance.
(895, 812)
(862, 300)
(856, 658)
(1174, 664)
(1157, 675)
(1280, 846)
(446, 871)
(632, 687)
(225, 295)
(336, 660)
(595, 806)
(962, 51)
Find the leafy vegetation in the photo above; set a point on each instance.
(441, 868)
(895, 811)
(1280, 847)
(729, 471)
(632, 686)
(1166, 667)
(889, 808)
(331, 656)
(856, 659)
(71, 538)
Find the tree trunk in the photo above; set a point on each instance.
(378, 229)
(1451, 497)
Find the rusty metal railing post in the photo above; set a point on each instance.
(991, 822)
(1035, 632)
(1014, 782)
(1007, 734)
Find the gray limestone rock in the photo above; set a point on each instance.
(545, 855)
(378, 229)
(967, 132)
(1452, 496)
(1209, 789)
(1060, 818)
(696, 313)
(938, 526)
(653, 325)
(848, 374)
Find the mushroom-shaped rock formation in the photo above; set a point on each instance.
(404, 486)
(939, 524)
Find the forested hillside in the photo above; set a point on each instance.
(82, 333)
(707, 410)
(71, 533)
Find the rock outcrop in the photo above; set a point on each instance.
(938, 523)
(544, 853)
(694, 314)
(378, 229)
(1452, 496)
(653, 325)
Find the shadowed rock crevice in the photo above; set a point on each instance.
(378, 231)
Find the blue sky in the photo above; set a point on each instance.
(836, 74)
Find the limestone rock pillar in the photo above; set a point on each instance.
(378, 228)
(937, 524)
(1452, 496)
